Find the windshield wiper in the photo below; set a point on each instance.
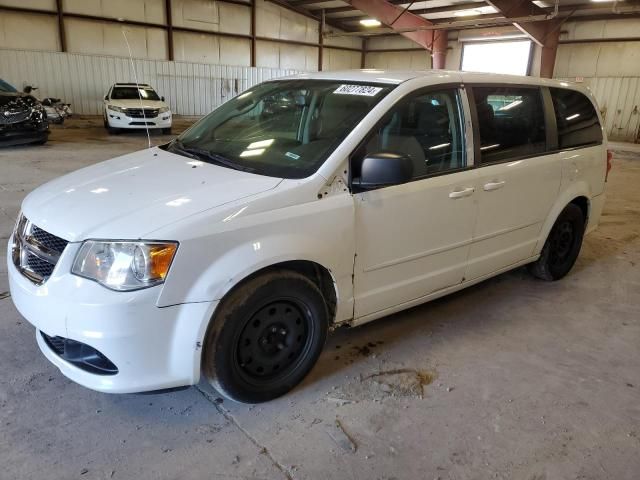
(210, 157)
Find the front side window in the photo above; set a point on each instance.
(576, 118)
(134, 93)
(282, 129)
(510, 121)
(427, 128)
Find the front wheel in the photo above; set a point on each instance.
(166, 131)
(265, 337)
(562, 247)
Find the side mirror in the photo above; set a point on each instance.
(106, 97)
(162, 98)
(384, 169)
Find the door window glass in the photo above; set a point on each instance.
(427, 128)
(510, 121)
(576, 118)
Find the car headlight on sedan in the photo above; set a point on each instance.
(115, 108)
(124, 265)
(163, 110)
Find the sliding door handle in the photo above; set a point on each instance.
(493, 186)
(462, 193)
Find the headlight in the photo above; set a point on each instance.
(163, 110)
(115, 109)
(124, 266)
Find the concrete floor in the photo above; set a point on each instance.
(512, 379)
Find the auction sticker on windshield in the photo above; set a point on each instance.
(364, 90)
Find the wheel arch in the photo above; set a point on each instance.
(320, 275)
(577, 195)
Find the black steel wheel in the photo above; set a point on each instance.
(562, 246)
(265, 337)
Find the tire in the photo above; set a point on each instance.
(265, 337)
(110, 129)
(166, 131)
(562, 246)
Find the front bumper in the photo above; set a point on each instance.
(23, 133)
(152, 347)
(120, 120)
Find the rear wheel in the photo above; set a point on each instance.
(562, 247)
(265, 337)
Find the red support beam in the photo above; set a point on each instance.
(397, 18)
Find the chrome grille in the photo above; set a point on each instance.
(142, 113)
(13, 116)
(35, 252)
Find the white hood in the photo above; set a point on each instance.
(132, 195)
(135, 103)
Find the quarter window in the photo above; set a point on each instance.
(576, 118)
(510, 121)
(427, 128)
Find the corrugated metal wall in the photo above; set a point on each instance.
(83, 80)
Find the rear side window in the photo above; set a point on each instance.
(510, 121)
(576, 118)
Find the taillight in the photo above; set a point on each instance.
(609, 160)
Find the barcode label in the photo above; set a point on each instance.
(364, 90)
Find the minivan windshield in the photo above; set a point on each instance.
(133, 93)
(5, 87)
(284, 128)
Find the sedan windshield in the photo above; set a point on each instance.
(133, 93)
(282, 129)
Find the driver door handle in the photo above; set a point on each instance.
(462, 193)
(493, 186)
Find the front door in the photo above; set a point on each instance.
(413, 239)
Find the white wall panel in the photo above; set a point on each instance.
(349, 42)
(281, 55)
(380, 43)
(151, 11)
(21, 30)
(333, 59)
(82, 80)
(105, 38)
(413, 60)
(37, 4)
(202, 48)
(211, 16)
(276, 22)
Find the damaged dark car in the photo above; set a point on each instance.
(23, 120)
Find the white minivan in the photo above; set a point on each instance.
(302, 204)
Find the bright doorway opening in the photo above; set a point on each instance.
(497, 57)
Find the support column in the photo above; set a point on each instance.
(548, 56)
(363, 55)
(253, 33)
(321, 41)
(61, 32)
(439, 50)
(169, 21)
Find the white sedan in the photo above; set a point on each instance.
(135, 106)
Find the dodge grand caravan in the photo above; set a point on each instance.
(302, 204)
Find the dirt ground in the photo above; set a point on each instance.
(511, 379)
